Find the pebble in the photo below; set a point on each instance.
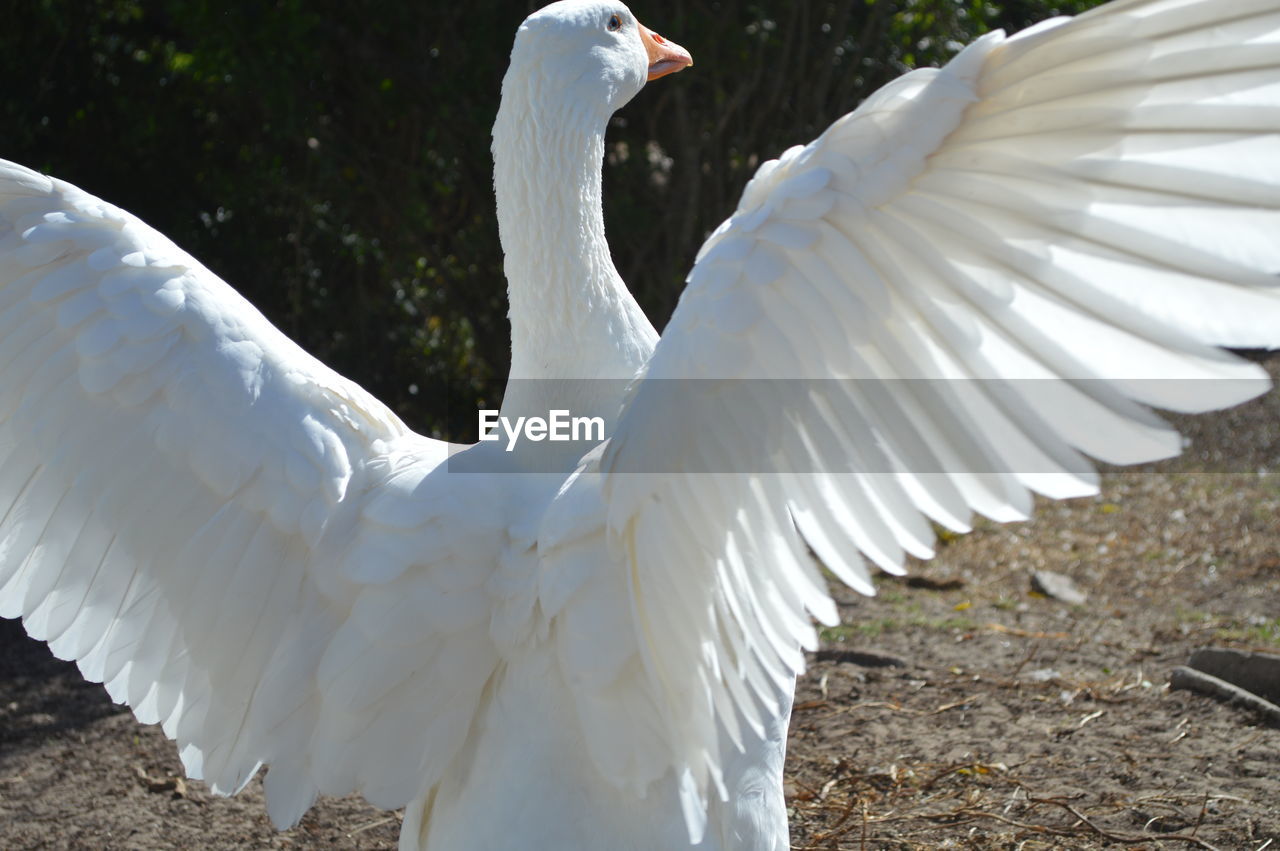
(1057, 586)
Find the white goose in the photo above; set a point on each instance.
(597, 651)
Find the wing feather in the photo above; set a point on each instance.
(196, 511)
(950, 301)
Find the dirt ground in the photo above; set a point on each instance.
(957, 709)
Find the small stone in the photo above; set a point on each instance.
(1057, 586)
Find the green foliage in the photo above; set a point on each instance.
(330, 160)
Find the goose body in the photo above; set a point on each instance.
(943, 304)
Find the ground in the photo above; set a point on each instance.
(957, 709)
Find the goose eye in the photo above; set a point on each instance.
(615, 23)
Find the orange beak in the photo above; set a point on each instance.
(665, 57)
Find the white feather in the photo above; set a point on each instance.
(1024, 249)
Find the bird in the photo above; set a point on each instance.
(958, 295)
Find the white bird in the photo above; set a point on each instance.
(580, 649)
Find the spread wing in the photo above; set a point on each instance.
(243, 545)
(983, 275)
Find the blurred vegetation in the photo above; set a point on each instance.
(331, 159)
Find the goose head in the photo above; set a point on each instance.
(594, 54)
(574, 63)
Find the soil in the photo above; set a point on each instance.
(957, 709)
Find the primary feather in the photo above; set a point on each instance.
(953, 298)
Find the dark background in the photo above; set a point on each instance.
(331, 159)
